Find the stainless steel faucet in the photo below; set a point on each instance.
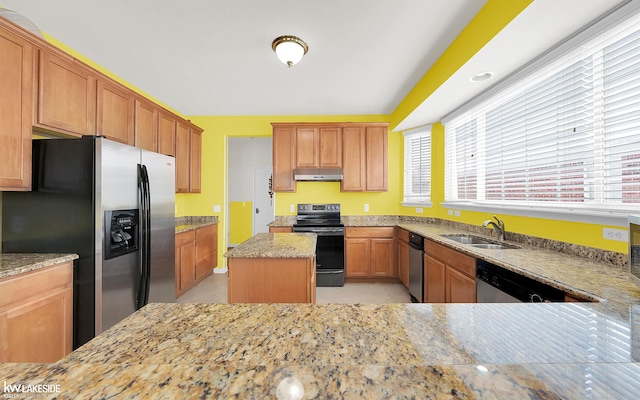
(499, 227)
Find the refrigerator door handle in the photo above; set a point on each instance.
(142, 295)
(147, 217)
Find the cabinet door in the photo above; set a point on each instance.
(353, 159)
(382, 258)
(280, 229)
(195, 165)
(204, 252)
(16, 79)
(461, 288)
(376, 156)
(403, 263)
(166, 134)
(307, 151)
(66, 96)
(356, 257)
(284, 144)
(434, 280)
(330, 147)
(186, 259)
(145, 125)
(183, 148)
(215, 245)
(115, 114)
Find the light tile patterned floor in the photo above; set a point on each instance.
(213, 289)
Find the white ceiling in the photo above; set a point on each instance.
(214, 57)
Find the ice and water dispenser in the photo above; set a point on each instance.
(121, 232)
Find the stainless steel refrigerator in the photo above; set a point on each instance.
(114, 206)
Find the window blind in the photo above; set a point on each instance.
(567, 134)
(417, 165)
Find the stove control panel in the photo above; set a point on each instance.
(318, 208)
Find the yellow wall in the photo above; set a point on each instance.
(241, 217)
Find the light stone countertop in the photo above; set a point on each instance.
(17, 263)
(276, 245)
(452, 351)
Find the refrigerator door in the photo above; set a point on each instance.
(161, 172)
(117, 278)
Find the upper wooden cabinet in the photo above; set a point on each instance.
(146, 125)
(195, 156)
(284, 145)
(16, 81)
(318, 147)
(66, 96)
(116, 109)
(166, 134)
(364, 159)
(359, 149)
(183, 150)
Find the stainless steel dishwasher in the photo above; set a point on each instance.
(416, 270)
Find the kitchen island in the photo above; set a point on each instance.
(273, 268)
(295, 351)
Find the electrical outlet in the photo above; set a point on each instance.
(456, 213)
(450, 212)
(366, 208)
(419, 210)
(620, 235)
(216, 208)
(292, 208)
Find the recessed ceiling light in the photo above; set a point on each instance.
(483, 76)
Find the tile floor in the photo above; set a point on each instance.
(213, 289)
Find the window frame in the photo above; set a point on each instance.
(415, 200)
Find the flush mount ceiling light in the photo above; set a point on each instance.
(481, 77)
(289, 49)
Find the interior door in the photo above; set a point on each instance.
(263, 211)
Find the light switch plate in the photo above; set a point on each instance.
(366, 208)
(619, 235)
(216, 208)
(419, 210)
(292, 208)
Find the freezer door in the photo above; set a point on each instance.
(161, 171)
(117, 278)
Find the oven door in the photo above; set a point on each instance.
(329, 254)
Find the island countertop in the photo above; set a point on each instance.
(276, 245)
(465, 351)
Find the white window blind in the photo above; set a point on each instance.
(567, 134)
(417, 165)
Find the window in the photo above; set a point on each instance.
(417, 166)
(566, 134)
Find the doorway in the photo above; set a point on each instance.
(250, 206)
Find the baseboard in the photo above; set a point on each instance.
(220, 270)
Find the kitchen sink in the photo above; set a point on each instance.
(478, 242)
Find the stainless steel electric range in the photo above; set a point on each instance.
(324, 220)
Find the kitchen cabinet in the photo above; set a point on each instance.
(195, 158)
(183, 150)
(145, 125)
(280, 229)
(166, 134)
(449, 276)
(185, 261)
(66, 96)
(364, 162)
(402, 242)
(115, 113)
(369, 252)
(318, 147)
(16, 81)
(36, 315)
(206, 251)
(283, 145)
(196, 256)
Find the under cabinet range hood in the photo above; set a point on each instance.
(317, 174)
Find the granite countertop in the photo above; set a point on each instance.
(292, 351)
(276, 245)
(184, 224)
(17, 263)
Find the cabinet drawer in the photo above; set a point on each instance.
(372, 232)
(24, 286)
(453, 258)
(403, 235)
(183, 238)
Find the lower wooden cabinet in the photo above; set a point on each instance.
(36, 315)
(449, 276)
(369, 252)
(402, 252)
(280, 229)
(196, 256)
